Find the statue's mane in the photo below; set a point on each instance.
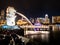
(10, 9)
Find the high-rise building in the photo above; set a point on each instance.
(2, 20)
(2, 14)
(46, 16)
(0, 17)
(46, 19)
(55, 19)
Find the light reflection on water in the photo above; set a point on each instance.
(43, 35)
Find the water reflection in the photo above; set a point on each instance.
(43, 35)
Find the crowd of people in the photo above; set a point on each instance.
(9, 37)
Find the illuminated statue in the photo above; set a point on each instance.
(10, 19)
(10, 16)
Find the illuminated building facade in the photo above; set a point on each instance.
(2, 19)
(55, 19)
(44, 20)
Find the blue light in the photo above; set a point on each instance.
(5, 26)
(10, 27)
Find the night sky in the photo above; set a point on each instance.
(33, 8)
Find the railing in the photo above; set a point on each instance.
(32, 27)
(36, 32)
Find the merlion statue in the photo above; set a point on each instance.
(10, 19)
(10, 16)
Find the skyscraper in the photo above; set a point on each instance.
(2, 14)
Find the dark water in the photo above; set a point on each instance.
(52, 38)
(55, 38)
(39, 39)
